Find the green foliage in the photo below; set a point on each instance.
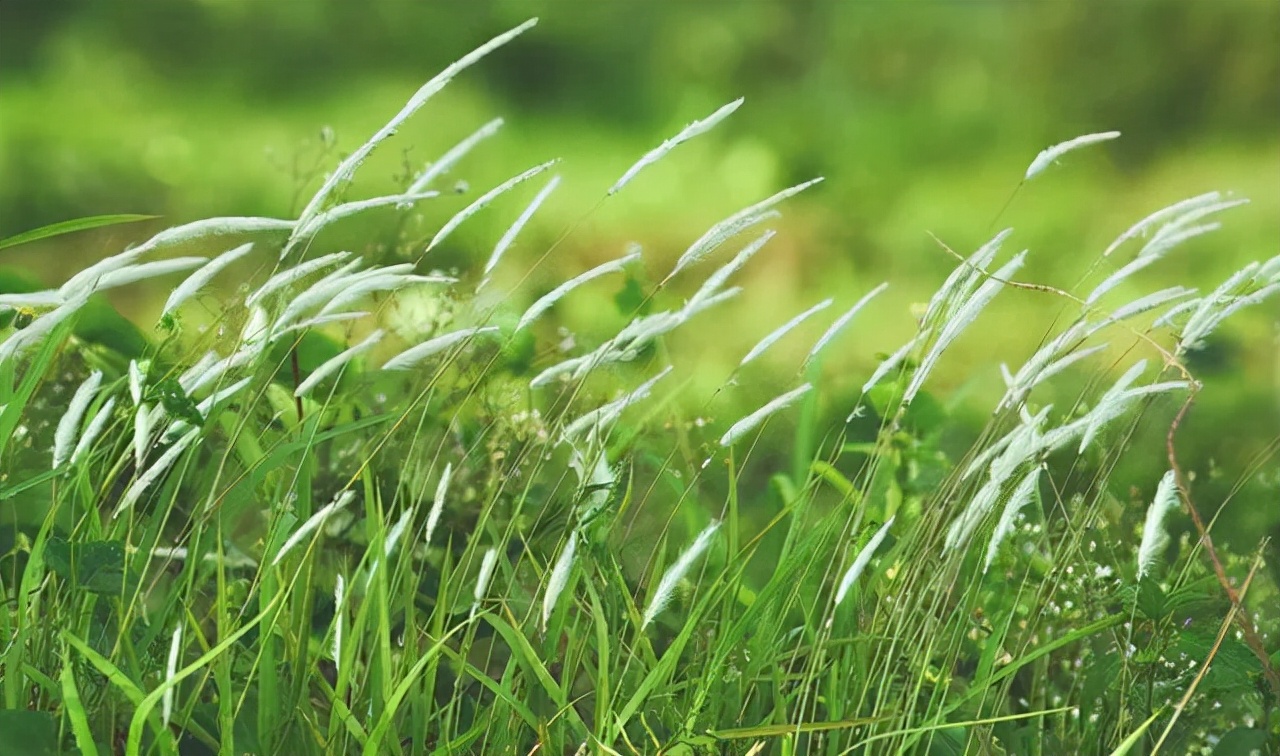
(93, 566)
(29, 733)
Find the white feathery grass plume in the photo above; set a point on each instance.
(1198, 329)
(979, 506)
(205, 228)
(1162, 243)
(888, 364)
(1192, 214)
(676, 572)
(1142, 305)
(1173, 313)
(437, 506)
(1115, 403)
(487, 565)
(1269, 270)
(412, 356)
(560, 368)
(171, 669)
(1154, 535)
(1063, 363)
(397, 532)
(86, 280)
(333, 364)
(483, 201)
(606, 414)
(141, 433)
(1058, 438)
(861, 561)
(1024, 446)
(210, 372)
(201, 278)
(626, 344)
(318, 293)
(360, 287)
(718, 279)
(545, 302)
(692, 307)
(46, 298)
(688, 132)
(559, 579)
(348, 209)
(206, 405)
(1179, 229)
(453, 155)
(1048, 155)
(777, 333)
(256, 327)
(339, 595)
(1234, 284)
(389, 545)
(293, 274)
(136, 382)
(1019, 386)
(207, 370)
(345, 170)
(64, 439)
(834, 330)
(748, 423)
(1111, 404)
(733, 225)
(598, 484)
(1141, 227)
(91, 433)
(1230, 296)
(962, 281)
(1022, 437)
(143, 271)
(509, 237)
(313, 522)
(1009, 516)
(1116, 278)
(318, 321)
(376, 271)
(1028, 375)
(962, 319)
(40, 328)
(154, 473)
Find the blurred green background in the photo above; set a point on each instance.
(921, 116)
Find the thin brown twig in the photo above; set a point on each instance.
(1235, 611)
(1252, 639)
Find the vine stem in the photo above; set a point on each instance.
(1242, 617)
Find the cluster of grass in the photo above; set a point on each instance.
(260, 537)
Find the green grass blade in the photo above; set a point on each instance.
(71, 226)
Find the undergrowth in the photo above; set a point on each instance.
(378, 507)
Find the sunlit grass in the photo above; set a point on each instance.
(479, 532)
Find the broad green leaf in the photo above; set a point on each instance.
(76, 711)
(28, 733)
(1241, 740)
(94, 566)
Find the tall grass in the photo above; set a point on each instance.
(289, 534)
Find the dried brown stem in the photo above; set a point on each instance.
(1252, 639)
